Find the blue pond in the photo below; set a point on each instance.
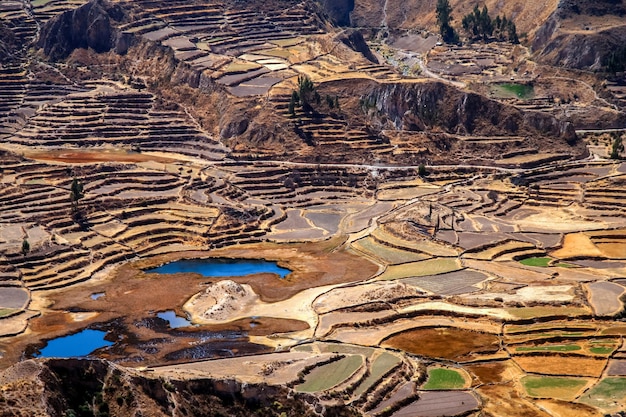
(76, 345)
(220, 267)
(173, 320)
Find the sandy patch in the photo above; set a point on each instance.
(555, 220)
(220, 301)
(274, 368)
(227, 301)
(357, 295)
(550, 294)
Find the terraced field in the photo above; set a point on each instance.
(461, 290)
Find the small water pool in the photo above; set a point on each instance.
(221, 267)
(97, 295)
(76, 345)
(173, 320)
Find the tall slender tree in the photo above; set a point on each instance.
(76, 193)
(444, 17)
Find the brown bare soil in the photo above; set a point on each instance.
(402, 167)
(494, 372)
(132, 296)
(563, 409)
(504, 399)
(87, 157)
(448, 343)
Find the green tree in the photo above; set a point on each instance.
(292, 103)
(306, 90)
(422, 171)
(76, 192)
(486, 26)
(479, 25)
(618, 147)
(444, 17)
(25, 247)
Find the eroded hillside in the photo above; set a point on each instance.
(449, 219)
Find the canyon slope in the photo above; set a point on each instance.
(449, 217)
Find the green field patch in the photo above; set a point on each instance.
(345, 349)
(304, 348)
(40, 3)
(279, 53)
(444, 378)
(602, 350)
(381, 365)
(420, 245)
(241, 67)
(565, 265)
(606, 393)
(553, 387)
(603, 347)
(421, 269)
(532, 312)
(549, 348)
(554, 326)
(327, 376)
(286, 42)
(5, 312)
(387, 254)
(541, 261)
(614, 331)
(513, 90)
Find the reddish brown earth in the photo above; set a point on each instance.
(132, 299)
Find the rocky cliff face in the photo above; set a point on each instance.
(578, 50)
(577, 47)
(588, 47)
(338, 10)
(75, 387)
(7, 43)
(355, 41)
(89, 26)
(435, 105)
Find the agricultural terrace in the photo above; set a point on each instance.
(436, 290)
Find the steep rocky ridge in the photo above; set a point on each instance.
(51, 388)
(250, 123)
(571, 33)
(338, 10)
(434, 104)
(414, 14)
(89, 26)
(7, 42)
(581, 34)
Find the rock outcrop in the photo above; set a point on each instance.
(338, 10)
(89, 26)
(80, 387)
(435, 105)
(355, 41)
(7, 43)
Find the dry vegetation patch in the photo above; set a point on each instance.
(561, 365)
(445, 342)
